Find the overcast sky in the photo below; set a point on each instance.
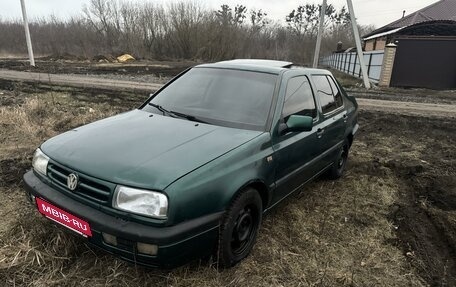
(376, 12)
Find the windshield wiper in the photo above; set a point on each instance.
(176, 114)
(188, 117)
(161, 109)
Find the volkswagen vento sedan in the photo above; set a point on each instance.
(192, 171)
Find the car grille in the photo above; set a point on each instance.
(88, 187)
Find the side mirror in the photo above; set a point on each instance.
(296, 123)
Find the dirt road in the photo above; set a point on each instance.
(408, 108)
(76, 81)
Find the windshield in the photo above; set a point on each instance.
(231, 98)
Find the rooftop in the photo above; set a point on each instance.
(441, 10)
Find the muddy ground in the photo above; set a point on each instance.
(142, 71)
(420, 152)
(390, 221)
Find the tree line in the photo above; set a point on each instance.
(180, 30)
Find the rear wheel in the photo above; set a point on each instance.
(338, 167)
(239, 228)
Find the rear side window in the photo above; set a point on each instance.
(328, 93)
(336, 92)
(299, 99)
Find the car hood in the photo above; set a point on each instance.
(141, 149)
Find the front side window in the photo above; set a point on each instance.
(225, 97)
(330, 97)
(299, 99)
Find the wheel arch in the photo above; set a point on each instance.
(350, 139)
(258, 185)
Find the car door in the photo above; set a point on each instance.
(295, 152)
(331, 125)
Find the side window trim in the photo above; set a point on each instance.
(316, 117)
(339, 92)
(320, 108)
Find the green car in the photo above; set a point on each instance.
(192, 171)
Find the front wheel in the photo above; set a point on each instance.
(338, 167)
(239, 228)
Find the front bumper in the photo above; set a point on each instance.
(177, 244)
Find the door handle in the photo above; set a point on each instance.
(320, 132)
(345, 117)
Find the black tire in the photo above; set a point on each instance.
(239, 228)
(338, 168)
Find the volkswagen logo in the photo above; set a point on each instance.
(72, 181)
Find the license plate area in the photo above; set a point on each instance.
(64, 218)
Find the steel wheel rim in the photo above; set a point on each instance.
(244, 230)
(343, 158)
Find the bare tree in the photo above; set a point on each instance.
(182, 30)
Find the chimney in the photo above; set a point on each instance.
(339, 46)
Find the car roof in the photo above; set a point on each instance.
(259, 65)
(258, 62)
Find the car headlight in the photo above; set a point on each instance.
(40, 162)
(139, 201)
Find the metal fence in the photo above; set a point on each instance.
(349, 63)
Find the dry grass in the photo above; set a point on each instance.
(333, 233)
(45, 115)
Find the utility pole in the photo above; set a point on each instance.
(27, 35)
(320, 33)
(358, 45)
